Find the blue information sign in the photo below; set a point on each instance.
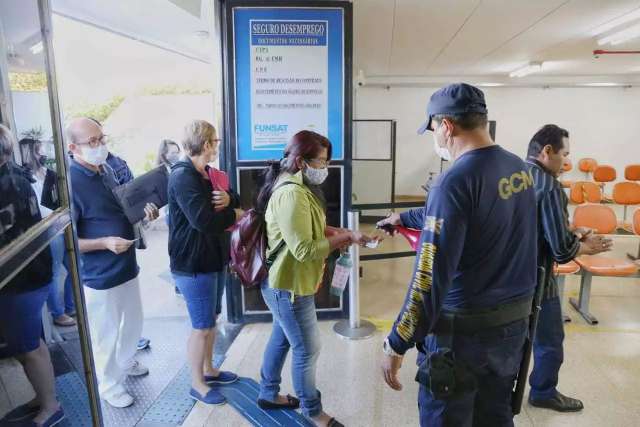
(289, 76)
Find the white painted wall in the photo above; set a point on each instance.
(604, 123)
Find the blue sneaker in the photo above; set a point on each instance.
(53, 420)
(143, 343)
(223, 377)
(211, 398)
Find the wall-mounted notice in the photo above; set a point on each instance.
(289, 76)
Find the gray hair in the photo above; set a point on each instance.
(7, 141)
(196, 134)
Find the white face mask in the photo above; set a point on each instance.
(95, 156)
(316, 176)
(442, 152)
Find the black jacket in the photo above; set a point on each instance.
(18, 212)
(198, 242)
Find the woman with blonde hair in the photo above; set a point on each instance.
(199, 252)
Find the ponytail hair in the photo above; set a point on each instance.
(271, 175)
(304, 145)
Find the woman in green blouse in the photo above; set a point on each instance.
(297, 232)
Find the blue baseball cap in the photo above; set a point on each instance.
(457, 98)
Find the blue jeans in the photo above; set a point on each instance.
(493, 357)
(547, 350)
(203, 295)
(295, 326)
(60, 264)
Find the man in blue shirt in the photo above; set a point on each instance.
(108, 262)
(548, 149)
(473, 282)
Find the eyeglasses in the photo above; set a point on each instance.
(320, 162)
(95, 141)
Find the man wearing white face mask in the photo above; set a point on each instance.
(470, 297)
(108, 262)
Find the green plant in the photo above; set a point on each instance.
(175, 90)
(100, 112)
(28, 82)
(34, 133)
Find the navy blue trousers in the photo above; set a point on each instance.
(547, 350)
(493, 356)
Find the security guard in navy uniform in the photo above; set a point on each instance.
(557, 242)
(470, 297)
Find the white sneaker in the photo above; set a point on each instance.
(137, 370)
(120, 400)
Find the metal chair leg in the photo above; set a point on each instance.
(560, 281)
(634, 257)
(582, 305)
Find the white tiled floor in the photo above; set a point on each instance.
(602, 362)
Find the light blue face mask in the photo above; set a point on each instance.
(316, 176)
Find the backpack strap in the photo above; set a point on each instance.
(272, 258)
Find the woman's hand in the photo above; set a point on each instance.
(239, 213)
(220, 199)
(358, 238)
(333, 231)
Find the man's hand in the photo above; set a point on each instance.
(595, 244)
(390, 367)
(151, 212)
(117, 245)
(221, 199)
(393, 219)
(582, 232)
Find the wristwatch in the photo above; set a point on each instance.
(388, 350)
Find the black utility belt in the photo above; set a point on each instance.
(469, 321)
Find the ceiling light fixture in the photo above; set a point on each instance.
(621, 36)
(616, 22)
(601, 84)
(532, 67)
(36, 48)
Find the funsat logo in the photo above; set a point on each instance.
(270, 129)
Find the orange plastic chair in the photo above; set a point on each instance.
(603, 219)
(566, 167)
(603, 174)
(600, 218)
(626, 193)
(584, 191)
(562, 270)
(587, 165)
(632, 173)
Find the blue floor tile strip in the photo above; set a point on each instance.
(174, 403)
(74, 399)
(243, 396)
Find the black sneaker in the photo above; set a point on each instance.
(559, 403)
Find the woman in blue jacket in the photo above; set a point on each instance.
(199, 251)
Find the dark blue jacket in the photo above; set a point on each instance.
(198, 242)
(478, 242)
(19, 211)
(556, 241)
